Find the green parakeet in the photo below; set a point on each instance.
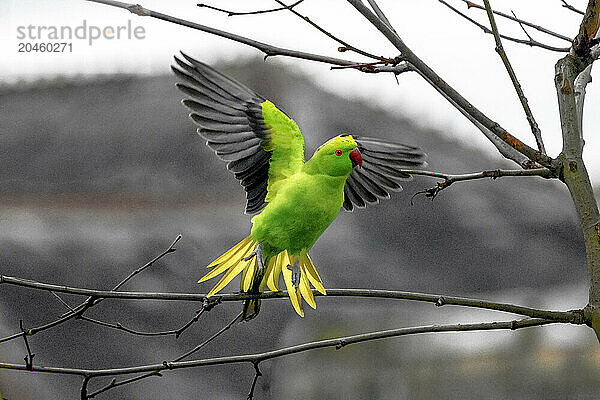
(296, 200)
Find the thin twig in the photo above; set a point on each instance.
(210, 339)
(92, 302)
(380, 14)
(521, 25)
(171, 249)
(29, 357)
(236, 13)
(567, 316)
(485, 29)
(345, 45)
(493, 174)
(257, 374)
(114, 383)
(85, 305)
(535, 129)
(570, 7)
(206, 306)
(547, 31)
(338, 342)
(84, 385)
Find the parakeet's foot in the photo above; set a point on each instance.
(296, 274)
(260, 259)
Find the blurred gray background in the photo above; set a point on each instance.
(99, 174)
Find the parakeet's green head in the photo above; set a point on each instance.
(336, 157)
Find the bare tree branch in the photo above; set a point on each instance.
(570, 316)
(485, 29)
(493, 174)
(535, 129)
(267, 49)
(338, 342)
(457, 99)
(521, 22)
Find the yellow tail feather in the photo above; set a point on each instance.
(248, 275)
(305, 288)
(231, 261)
(284, 260)
(271, 276)
(234, 271)
(313, 275)
(229, 253)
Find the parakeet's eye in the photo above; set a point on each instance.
(338, 152)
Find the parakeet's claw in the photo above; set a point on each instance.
(260, 261)
(296, 274)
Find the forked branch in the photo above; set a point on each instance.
(539, 28)
(529, 41)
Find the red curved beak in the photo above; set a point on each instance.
(355, 157)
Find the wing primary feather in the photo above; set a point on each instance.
(205, 90)
(243, 153)
(221, 137)
(380, 178)
(361, 190)
(376, 144)
(209, 102)
(387, 170)
(214, 115)
(348, 206)
(232, 87)
(353, 195)
(370, 184)
(390, 160)
(233, 147)
(199, 74)
(209, 124)
(247, 163)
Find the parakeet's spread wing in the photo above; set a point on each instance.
(380, 173)
(260, 144)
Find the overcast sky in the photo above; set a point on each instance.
(461, 53)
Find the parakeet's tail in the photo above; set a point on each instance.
(243, 258)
